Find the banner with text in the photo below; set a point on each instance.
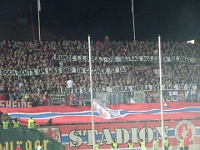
(125, 59)
(80, 136)
(118, 89)
(28, 139)
(15, 104)
(46, 71)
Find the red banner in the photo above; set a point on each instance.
(80, 136)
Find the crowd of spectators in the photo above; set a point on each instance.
(17, 55)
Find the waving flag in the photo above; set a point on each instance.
(119, 112)
(101, 110)
(113, 113)
(105, 112)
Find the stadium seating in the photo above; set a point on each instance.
(33, 71)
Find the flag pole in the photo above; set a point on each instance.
(133, 19)
(39, 9)
(32, 26)
(91, 93)
(161, 95)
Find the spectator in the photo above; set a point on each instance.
(39, 147)
(69, 83)
(34, 55)
(18, 147)
(5, 116)
(186, 143)
(2, 97)
(49, 123)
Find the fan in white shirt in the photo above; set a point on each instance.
(69, 83)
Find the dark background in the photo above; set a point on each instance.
(74, 19)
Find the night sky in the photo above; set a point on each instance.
(74, 19)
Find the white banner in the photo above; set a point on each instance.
(58, 98)
(125, 59)
(121, 89)
(45, 71)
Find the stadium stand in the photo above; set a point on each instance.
(38, 71)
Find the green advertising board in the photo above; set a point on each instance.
(28, 139)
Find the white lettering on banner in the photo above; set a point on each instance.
(75, 139)
(124, 59)
(80, 136)
(121, 89)
(15, 104)
(122, 135)
(46, 71)
(57, 98)
(139, 91)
